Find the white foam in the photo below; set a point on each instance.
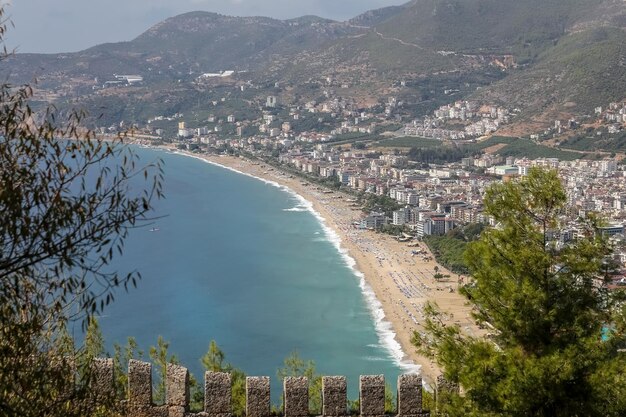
(384, 330)
(386, 335)
(373, 358)
(297, 209)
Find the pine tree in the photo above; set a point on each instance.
(214, 361)
(548, 308)
(294, 365)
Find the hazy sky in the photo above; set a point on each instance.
(72, 25)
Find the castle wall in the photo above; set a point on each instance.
(218, 395)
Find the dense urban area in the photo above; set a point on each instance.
(421, 178)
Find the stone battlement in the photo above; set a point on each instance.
(217, 393)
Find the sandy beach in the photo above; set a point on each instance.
(402, 282)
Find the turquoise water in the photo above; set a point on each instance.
(245, 263)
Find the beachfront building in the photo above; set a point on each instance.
(345, 175)
(327, 171)
(437, 225)
(374, 220)
(402, 216)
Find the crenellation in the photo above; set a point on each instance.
(372, 395)
(103, 377)
(139, 383)
(218, 394)
(140, 392)
(67, 366)
(410, 396)
(258, 396)
(334, 396)
(177, 386)
(296, 395)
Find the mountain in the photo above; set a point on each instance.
(466, 29)
(554, 56)
(194, 43)
(489, 26)
(377, 16)
(582, 70)
(567, 54)
(541, 56)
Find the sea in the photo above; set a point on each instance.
(251, 265)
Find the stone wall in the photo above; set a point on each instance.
(217, 394)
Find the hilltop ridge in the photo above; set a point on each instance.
(535, 55)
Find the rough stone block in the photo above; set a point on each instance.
(258, 396)
(177, 386)
(217, 394)
(153, 411)
(334, 396)
(409, 395)
(176, 411)
(296, 392)
(372, 395)
(102, 378)
(139, 383)
(65, 366)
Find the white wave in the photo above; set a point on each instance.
(384, 330)
(373, 358)
(297, 208)
(386, 335)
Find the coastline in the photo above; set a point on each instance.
(395, 283)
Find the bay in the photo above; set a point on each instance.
(245, 263)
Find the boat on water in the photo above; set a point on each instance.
(154, 229)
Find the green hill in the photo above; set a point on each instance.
(582, 70)
(541, 56)
(484, 26)
(556, 52)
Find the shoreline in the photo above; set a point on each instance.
(394, 283)
(384, 328)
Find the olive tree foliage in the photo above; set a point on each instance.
(547, 352)
(67, 203)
